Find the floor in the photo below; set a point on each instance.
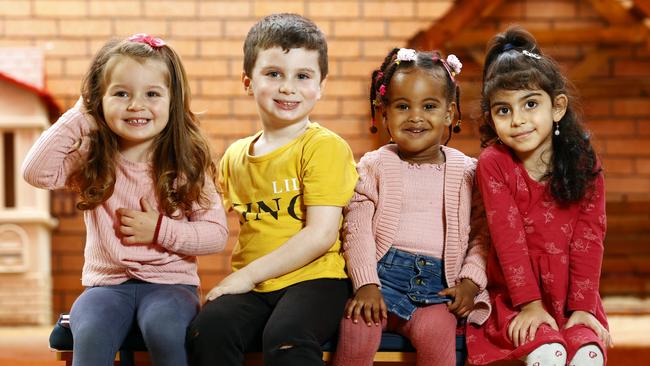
(28, 346)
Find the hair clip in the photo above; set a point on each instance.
(382, 90)
(455, 64)
(532, 55)
(507, 47)
(379, 76)
(406, 54)
(145, 38)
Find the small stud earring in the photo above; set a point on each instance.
(557, 129)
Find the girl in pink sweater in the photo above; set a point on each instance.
(134, 153)
(413, 230)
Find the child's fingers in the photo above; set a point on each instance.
(446, 292)
(146, 206)
(126, 220)
(532, 331)
(550, 321)
(454, 306)
(214, 293)
(349, 308)
(376, 314)
(127, 230)
(125, 212)
(356, 312)
(367, 314)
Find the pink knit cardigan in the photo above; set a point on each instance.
(372, 220)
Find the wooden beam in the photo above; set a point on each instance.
(643, 6)
(613, 11)
(592, 62)
(458, 17)
(586, 89)
(617, 35)
(619, 87)
(596, 59)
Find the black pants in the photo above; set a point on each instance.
(287, 325)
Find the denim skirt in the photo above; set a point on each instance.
(409, 281)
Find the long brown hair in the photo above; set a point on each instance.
(515, 61)
(181, 159)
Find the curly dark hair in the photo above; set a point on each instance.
(182, 161)
(574, 165)
(431, 61)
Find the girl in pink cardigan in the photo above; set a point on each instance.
(134, 153)
(414, 230)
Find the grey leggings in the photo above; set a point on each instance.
(102, 316)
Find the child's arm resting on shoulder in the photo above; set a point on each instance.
(506, 229)
(57, 151)
(318, 235)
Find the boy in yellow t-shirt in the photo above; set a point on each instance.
(288, 184)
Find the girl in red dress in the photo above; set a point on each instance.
(543, 191)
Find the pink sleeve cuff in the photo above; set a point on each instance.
(474, 273)
(363, 276)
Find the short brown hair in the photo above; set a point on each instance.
(286, 31)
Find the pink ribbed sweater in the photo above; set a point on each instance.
(172, 260)
(372, 220)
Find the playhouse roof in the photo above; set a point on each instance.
(24, 68)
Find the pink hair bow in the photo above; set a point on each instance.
(145, 38)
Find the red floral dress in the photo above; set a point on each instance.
(539, 250)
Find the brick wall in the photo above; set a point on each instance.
(209, 35)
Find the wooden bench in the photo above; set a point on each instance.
(393, 349)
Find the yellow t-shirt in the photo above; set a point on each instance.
(269, 193)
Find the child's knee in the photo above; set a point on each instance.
(550, 354)
(589, 355)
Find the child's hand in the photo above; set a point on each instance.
(463, 295)
(90, 120)
(369, 302)
(238, 282)
(586, 318)
(138, 227)
(525, 324)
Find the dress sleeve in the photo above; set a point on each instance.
(58, 151)
(205, 232)
(506, 227)
(586, 250)
(358, 240)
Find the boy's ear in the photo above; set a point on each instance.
(248, 83)
(322, 88)
(560, 104)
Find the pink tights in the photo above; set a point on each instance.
(431, 330)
